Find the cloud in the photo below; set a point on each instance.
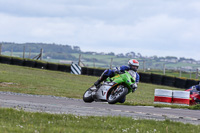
(156, 27)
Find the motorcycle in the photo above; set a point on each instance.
(194, 95)
(112, 90)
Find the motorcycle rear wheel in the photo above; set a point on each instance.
(116, 94)
(87, 96)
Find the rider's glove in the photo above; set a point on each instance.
(117, 70)
(194, 87)
(134, 87)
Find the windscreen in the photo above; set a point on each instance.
(132, 73)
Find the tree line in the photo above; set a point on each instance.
(35, 47)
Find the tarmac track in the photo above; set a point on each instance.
(61, 105)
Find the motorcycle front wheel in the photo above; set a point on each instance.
(117, 94)
(87, 96)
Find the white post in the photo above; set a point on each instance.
(11, 54)
(93, 63)
(24, 53)
(29, 53)
(180, 73)
(197, 73)
(144, 65)
(111, 63)
(41, 54)
(79, 61)
(0, 48)
(164, 69)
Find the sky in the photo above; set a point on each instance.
(150, 27)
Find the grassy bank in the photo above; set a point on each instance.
(44, 82)
(25, 122)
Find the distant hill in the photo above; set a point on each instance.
(35, 47)
(58, 52)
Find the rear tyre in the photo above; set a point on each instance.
(117, 94)
(87, 96)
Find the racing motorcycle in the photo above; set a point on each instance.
(112, 90)
(194, 95)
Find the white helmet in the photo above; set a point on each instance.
(133, 64)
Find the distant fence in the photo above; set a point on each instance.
(144, 77)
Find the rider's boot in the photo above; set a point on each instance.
(97, 83)
(102, 78)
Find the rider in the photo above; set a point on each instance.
(133, 64)
(197, 87)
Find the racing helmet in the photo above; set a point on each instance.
(133, 64)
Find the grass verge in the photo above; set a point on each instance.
(45, 82)
(25, 122)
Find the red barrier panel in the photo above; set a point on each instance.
(163, 96)
(181, 97)
(181, 101)
(162, 99)
(172, 97)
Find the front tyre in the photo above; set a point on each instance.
(87, 96)
(117, 94)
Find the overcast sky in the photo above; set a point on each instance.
(149, 27)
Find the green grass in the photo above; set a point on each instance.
(25, 122)
(46, 82)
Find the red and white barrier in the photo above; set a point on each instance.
(181, 97)
(163, 96)
(172, 97)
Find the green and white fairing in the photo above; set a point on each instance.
(113, 89)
